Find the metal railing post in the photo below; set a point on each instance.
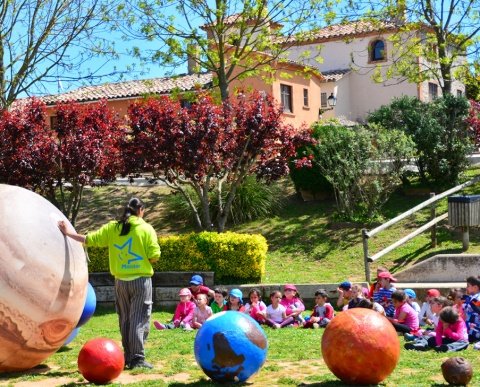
(365, 254)
(433, 215)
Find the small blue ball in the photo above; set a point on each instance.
(89, 307)
(230, 347)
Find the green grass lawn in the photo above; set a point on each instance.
(294, 358)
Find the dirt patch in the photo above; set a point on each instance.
(297, 370)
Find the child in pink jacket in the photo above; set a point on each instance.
(450, 334)
(183, 313)
(293, 303)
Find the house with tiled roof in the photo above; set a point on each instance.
(334, 78)
(120, 95)
(347, 55)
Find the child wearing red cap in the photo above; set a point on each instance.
(426, 316)
(293, 303)
(383, 296)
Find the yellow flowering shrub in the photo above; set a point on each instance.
(233, 257)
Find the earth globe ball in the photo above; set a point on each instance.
(43, 280)
(230, 347)
(360, 346)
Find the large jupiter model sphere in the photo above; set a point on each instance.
(43, 280)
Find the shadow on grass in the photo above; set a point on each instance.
(302, 226)
(41, 369)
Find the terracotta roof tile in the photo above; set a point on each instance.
(342, 30)
(131, 89)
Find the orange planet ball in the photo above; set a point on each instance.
(360, 346)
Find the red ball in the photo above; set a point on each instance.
(100, 361)
(360, 346)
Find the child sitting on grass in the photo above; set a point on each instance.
(235, 300)
(256, 308)
(277, 313)
(472, 308)
(219, 303)
(384, 295)
(457, 297)
(405, 319)
(197, 287)
(356, 296)
(411, 299)
(426, 316)
(450, 335)
(322, 312)
(202, 311)
(293, 303)
(183, 313)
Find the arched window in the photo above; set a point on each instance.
(378, 50)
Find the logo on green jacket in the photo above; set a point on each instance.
(126, 253)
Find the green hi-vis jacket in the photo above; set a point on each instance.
(128, 254)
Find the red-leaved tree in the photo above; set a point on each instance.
(28, 147)
(473, 121)
(89, 137)
(204, 146)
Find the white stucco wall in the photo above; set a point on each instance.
(357, 93)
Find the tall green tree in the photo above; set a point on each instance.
(44, 41)
(221, 36)
(444, 34)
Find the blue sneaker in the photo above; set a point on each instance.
(409, 337)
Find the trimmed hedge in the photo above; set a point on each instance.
(235, 258)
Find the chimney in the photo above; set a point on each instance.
(193, 56)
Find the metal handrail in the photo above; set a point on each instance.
(368, 234)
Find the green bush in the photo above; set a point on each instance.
(253, 200)
(308, 179)
(353, 160)
(234, 258)
(439, 131)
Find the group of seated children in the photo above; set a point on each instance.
(283, 311)
(445, 324)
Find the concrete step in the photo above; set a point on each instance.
(442, 268)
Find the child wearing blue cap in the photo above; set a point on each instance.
(411, 299)
(344, 291)
(197, 287)
(235, 300)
